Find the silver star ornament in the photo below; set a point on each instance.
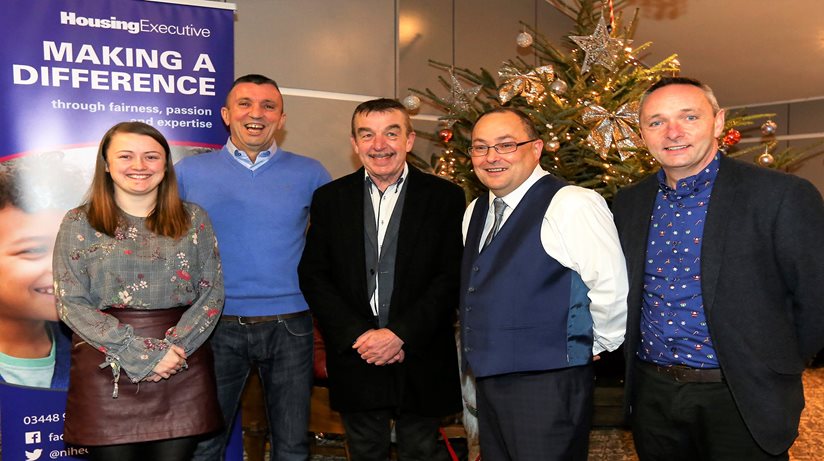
(599, 48)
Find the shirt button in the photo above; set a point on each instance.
(471, 289)
(468, 308)
(475, 268)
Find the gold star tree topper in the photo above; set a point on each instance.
(599, 48)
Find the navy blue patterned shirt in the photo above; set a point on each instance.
(674, 328)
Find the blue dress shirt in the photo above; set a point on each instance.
(674, 328)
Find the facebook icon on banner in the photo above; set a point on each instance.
(33, 437)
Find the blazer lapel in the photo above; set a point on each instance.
(414, 211)
(352, 232)
(719, 219)
(637, 238)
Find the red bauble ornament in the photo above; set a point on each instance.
(445, 135)
(732, 137)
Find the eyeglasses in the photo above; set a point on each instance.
(501, 148)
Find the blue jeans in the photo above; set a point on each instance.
(282, 352)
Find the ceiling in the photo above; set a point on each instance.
(750, 52)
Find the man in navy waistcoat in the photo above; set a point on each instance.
(543, 289)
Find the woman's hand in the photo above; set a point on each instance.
(170, 364)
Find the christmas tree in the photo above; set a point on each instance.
(583, 98)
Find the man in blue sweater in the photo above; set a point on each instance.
(258, 196)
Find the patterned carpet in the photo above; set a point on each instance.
(810, 443)
(610, 444)
(615, 444)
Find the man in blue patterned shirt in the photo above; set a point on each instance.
(726, 272)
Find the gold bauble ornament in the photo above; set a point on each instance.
(765, 159)
(524, 40)
(411, 102)
(559, 87)
(769, 128)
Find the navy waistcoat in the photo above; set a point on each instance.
(521, 310)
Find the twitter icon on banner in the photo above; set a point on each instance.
(33, 455)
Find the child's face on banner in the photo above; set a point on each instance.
(26, 247)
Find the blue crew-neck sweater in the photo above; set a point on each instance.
(260, 219)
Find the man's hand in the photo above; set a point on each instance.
(397, 358)
(379, 347)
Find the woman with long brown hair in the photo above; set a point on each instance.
(138, 280)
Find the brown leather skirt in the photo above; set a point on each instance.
(184, 405)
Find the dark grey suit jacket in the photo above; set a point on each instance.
(424, 299)
(762, 280)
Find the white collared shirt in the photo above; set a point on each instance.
(383, 204)
(579, 233)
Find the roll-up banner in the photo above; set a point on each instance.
(69, 70)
